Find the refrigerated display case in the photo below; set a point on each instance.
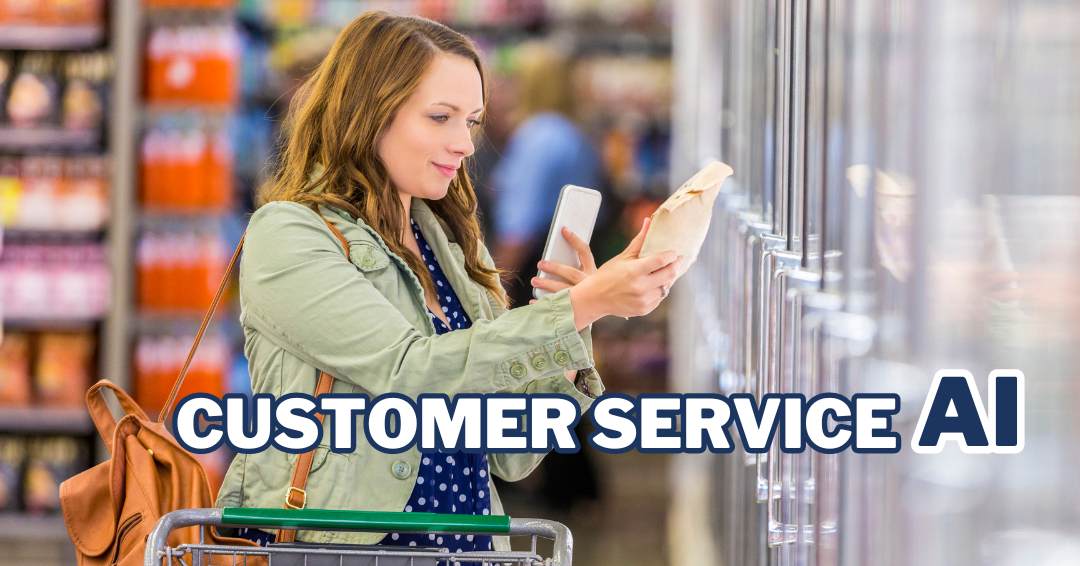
(903, 202)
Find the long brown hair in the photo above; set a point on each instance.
(339, 114)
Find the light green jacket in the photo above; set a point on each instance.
(305, 308)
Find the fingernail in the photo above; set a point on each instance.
(542, 265)
(535, 280)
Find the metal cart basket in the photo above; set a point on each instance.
(310, 554)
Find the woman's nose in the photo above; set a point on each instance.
(462, 142)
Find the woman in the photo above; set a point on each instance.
(377, 143)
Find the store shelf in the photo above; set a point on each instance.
(12, 138)
(13, 234)
(39, 323)
(50, 37)
(44, 420)
(23, 526)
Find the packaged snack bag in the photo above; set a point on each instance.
(681, 223)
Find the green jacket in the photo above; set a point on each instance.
(305, 308)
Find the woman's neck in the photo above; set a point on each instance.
(406, 201)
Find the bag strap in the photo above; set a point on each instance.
(198, 337)
(210, 313)
(295, 496)
(102, 416)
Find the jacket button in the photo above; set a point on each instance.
(562, 358)
(517, 370)
(367, 260)
(401, 469)
(539, 362)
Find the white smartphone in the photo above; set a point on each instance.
(577, 209)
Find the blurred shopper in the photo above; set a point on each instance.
(546, 151)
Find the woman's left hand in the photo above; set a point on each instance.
(574, 276)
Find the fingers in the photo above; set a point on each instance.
(635, 245)
(588, 264)
(532, 301)
(549, 284)
(654, 262)
(574, 276)
(665, 276)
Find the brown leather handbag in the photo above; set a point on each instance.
(111, 508)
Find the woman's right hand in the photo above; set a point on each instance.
(625, 286)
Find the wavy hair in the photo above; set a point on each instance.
(329, 157)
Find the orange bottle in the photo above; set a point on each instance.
(192, 181)
(170, 169)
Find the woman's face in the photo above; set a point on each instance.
(424, 145)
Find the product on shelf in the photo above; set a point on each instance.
(187, 168)
(190, 4)
(179, 271)
(34, 96)
(50, 461)
(193, 65)
(52, 193)
(158, 361)
(12, 458)
(54, 281)
(86, 90)
(62, 371)
(59, 13)
(15, 370)
(7, 74)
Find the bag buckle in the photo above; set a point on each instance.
(288, 498)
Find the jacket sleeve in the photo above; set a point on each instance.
(516, 467)
(299, 289)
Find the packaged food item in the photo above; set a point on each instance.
(12, 457)
(85, 91)
(72, 12)
(15, 369)
(62, 372)
(10, 191)
(42, 178)
(7, 71)
(50, 461)
(33, 100)
(84, 202)
(682, 222)
(17, 12)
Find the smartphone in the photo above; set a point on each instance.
(576, 210)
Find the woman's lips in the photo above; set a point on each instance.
(446, 171)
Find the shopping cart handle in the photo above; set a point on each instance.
(333, 519)
(377, 521)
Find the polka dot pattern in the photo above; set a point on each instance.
(451, 307)
(447, 481)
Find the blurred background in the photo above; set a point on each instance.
(905, 199)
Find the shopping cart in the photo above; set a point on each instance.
(309, 554)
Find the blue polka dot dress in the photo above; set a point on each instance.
(447, 483)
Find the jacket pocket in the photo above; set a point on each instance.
(367, 256)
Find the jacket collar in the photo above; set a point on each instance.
(438, 235)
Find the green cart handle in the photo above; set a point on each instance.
(375, 521)
(371, 521)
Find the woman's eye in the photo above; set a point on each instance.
(474, 123)
(440, 119)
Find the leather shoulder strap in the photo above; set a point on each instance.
(210, 313)
(295, 495)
